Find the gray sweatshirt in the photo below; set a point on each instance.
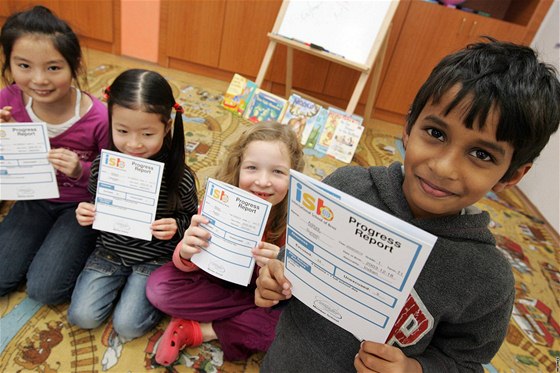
(455, 319)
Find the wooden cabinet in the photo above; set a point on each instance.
(244, 40)
(221, 37)
(216, 38)
(97, 23)
(191, 31)
(431, 31)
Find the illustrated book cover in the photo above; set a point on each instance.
(345, 141)
(237, 95)
(265, 106)
(300, 116)
(334, 119)
(312, 132)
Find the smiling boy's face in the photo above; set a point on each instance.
(448, 166)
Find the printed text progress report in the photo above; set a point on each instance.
(349, 261)
(237, 220)
(25, 171)
(127, 194)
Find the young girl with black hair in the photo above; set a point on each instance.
(40, 239)
(140, 104)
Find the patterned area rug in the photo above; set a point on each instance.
(37, 338)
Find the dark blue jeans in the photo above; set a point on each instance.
(43, 241)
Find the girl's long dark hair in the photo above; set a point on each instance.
(148, 91)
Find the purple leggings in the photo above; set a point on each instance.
(242, 327)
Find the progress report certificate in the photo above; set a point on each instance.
(237, 220)
(127, 194)
(349, 261)
(25, 171)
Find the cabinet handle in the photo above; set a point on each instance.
(462, 26)
(473, 27)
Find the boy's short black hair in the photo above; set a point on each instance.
(503, 76)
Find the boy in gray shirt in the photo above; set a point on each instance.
(476, 125)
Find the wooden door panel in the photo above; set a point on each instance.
(244, 39)
(97, 23)
(194, 30)
(90, 18)
(505, 31)
(431, 32)
(8, 7)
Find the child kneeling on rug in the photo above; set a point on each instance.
(475, 126)
(140, 104)
(204, 307)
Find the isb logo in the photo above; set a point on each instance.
(218, 194)
(113, 161)
(316, 205)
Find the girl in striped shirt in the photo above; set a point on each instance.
(114, 279)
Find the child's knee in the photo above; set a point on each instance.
(47, 298)
(45, 294)
(127, 330)
(85, 317)
(6, 287)
(129, 327)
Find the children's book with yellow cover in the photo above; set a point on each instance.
(238, 94)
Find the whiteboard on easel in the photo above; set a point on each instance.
(345, 28)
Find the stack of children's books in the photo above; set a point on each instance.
(330, 131)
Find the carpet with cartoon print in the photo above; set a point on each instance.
(38, 338)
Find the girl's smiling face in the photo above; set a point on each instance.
(265, 170)
(40, 71)
(136, 132)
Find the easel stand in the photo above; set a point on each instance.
(363, 69)
(373, 64)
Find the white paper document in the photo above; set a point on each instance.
(349, 261)
(127, 194)
(25, 171)
(237, 220)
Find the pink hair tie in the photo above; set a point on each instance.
(178, 108)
